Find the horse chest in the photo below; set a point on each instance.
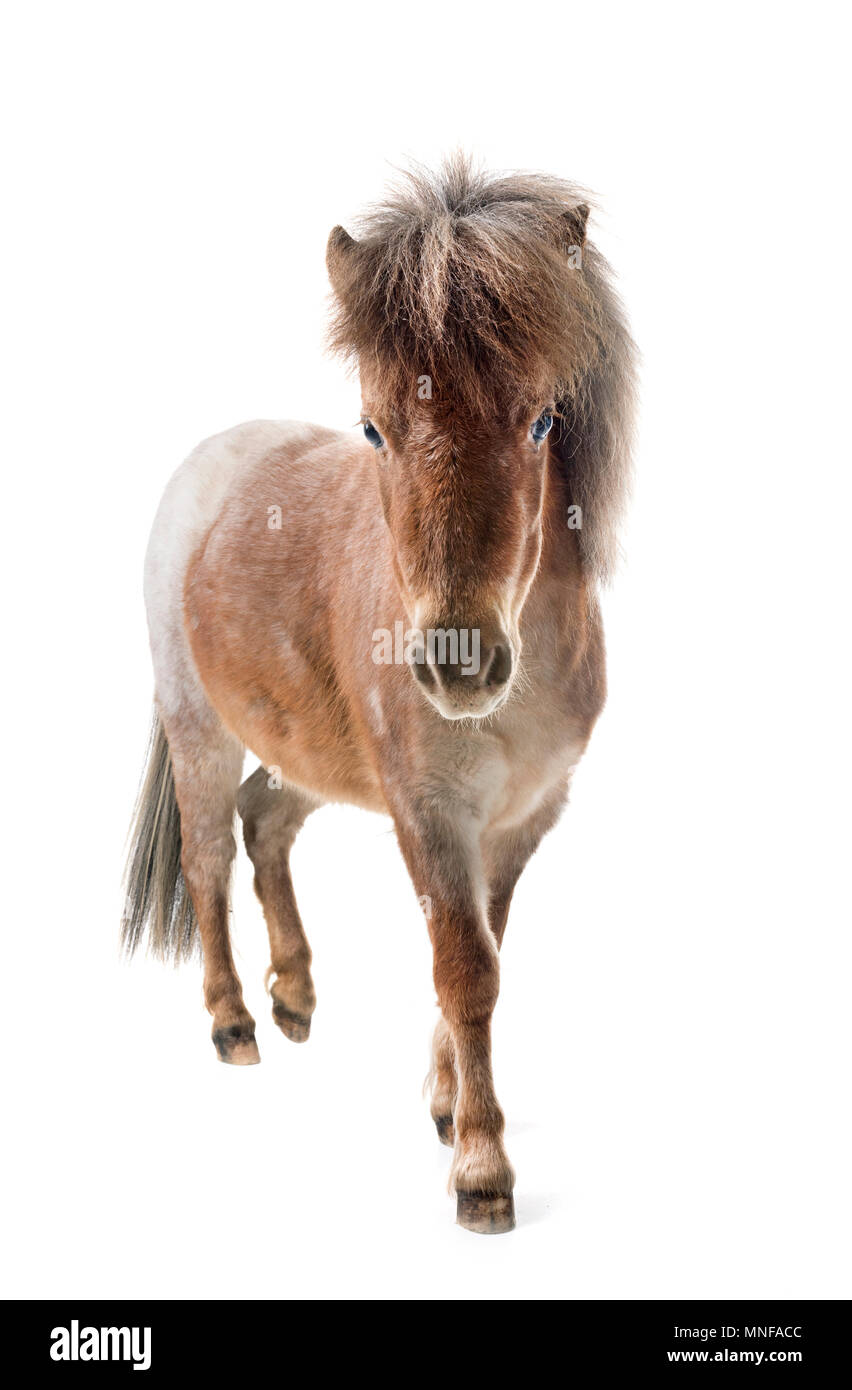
(540, 755)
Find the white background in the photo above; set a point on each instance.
(671, 1042)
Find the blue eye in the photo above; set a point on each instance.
(542, 426)
(372, 434)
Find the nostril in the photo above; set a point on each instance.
(460, 667)
(500, 665)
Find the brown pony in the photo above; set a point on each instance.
(406, 621)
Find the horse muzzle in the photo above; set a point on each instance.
(465, 672)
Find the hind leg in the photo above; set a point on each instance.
(272, 817)
(207, 763)
(443, 1081)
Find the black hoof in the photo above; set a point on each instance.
(294, 1026)
(446, 1131)
(488, 1216)
(237, 1045)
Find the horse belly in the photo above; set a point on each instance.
(298, 733)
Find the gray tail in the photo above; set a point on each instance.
(157, 896)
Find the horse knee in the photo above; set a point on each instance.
(467, 980)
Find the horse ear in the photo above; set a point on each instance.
(338, 252)
(575, 220)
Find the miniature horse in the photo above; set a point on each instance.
(480, 497)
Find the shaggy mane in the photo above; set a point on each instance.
(466, 277)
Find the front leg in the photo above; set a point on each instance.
(444, 861)
(443, 1075)
(442, 1080)
(504, 859)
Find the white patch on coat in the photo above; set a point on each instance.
(189, 507)
(374, 700)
